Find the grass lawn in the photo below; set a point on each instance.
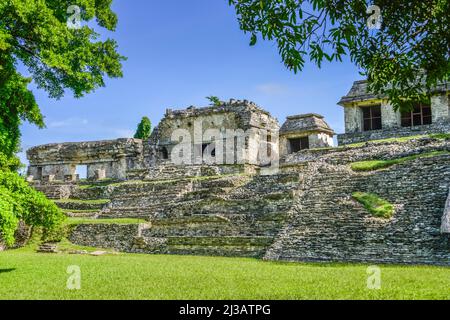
(25, 274)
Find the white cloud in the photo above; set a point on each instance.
(272, 88)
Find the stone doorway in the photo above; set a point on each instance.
(81, 171)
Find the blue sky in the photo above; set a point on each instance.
(178, 53)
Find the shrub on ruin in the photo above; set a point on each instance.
(20, 202)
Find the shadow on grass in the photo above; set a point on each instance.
(7, 270)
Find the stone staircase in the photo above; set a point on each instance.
(231, 215)
(323, 211)
(327, 224)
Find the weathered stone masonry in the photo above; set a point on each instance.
(303, 212)
(389, 123)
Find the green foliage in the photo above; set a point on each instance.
(10, 163)
(38, 276)
(371, 165)
(409, 53)
(35, 33)
(378, 207)
(144, 129)
(215, 101)
(19, 201)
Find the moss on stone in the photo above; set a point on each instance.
(77, 201)
(371, 165)
(440, 136)
(377, 206)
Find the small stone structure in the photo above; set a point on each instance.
(371, 117)
(305, 131)
(104, 159)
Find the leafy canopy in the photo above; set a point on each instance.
(144, 129)
(35, 33)
(408, 54)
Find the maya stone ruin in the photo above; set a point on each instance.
(230, 180)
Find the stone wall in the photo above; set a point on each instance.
(104, 159)
(326, 224)
(22, 235)
(441, 107)
(304, 213)
(193, 127)
(355, 137)
(445, 224)
(108, 236)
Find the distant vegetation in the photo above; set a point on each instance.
(144, 129)
(378, 207)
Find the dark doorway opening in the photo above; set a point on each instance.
(164, 153)
(299, 144)
(39, 173)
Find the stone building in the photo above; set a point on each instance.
(232, 133)
(305, 131)
(102, 160)
(371, 117)
(237, 136)
(305, 211)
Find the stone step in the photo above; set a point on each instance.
(220, 241)
(81, 205)
(48, 248)
(81, 214)
(214, 229)
(219, 246)
(223, 251)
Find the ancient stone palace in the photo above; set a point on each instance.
(230, 180)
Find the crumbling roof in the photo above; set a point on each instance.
(305, 123)
(233, 105)
(359, 92)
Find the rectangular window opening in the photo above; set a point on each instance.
(299, 144)
(420, 115)
(371, 118)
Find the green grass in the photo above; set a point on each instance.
(371, 165)
(440, 136)
(28, 275)
(378, 207)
